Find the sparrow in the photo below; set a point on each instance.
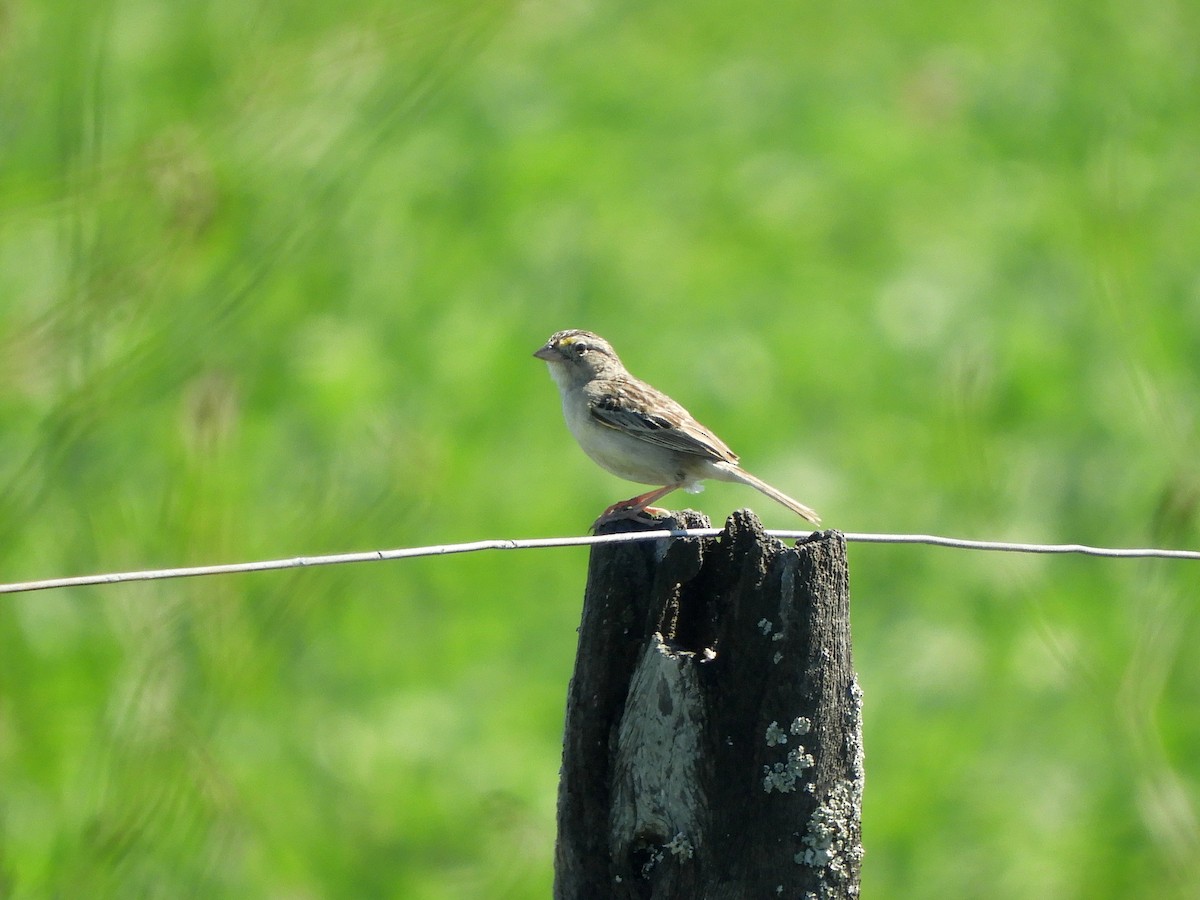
(636, 431)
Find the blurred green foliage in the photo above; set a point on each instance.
(270, 278)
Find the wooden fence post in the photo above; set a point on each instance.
(713, 740)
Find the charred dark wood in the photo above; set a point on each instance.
(713, 740)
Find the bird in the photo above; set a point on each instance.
(636, 431)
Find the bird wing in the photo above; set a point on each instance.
(650, 415)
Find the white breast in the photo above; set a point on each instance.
(625, 456)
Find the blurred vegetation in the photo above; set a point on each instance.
(270, 278)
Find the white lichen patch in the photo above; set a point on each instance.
(783, 776)
(775, 735)
(778, 778)
(653, 858)
(765, 626)
(680, 846)
(798, 760)
(777, 657)
(801, 725)
(831, 840)
(854, 745)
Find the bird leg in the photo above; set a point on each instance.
(636, 507)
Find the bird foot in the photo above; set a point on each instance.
(623, 511)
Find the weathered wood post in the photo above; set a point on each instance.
(713, 744)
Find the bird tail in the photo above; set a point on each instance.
(775, 494)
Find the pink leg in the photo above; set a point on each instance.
(635, 507)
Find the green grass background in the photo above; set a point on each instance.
(270, 279)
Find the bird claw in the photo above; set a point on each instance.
(637, 508)
(646, 515)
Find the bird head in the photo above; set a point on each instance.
(576, 357)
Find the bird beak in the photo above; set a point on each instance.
(548, 353)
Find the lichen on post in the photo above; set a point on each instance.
(713, 740)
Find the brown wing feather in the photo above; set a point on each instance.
(626, 408)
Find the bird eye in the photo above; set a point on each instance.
(580, 349)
